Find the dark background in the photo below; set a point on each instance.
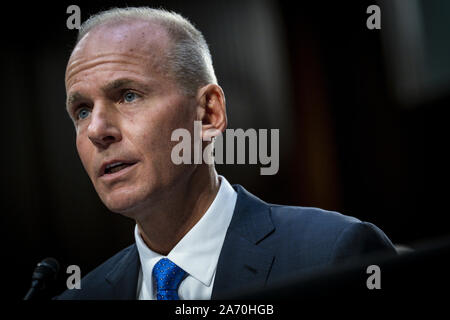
(362, 117)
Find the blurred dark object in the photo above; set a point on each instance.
(417, 276)
(44, 273)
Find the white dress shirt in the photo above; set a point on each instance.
(196, 253)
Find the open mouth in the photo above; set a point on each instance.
(116, 167)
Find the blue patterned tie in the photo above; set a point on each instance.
(168, 277)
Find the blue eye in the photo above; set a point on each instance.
(83, 113)
(130, 96)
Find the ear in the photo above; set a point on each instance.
(211, 111)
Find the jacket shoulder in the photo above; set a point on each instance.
(324, 237)
(310, 219)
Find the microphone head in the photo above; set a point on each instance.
(46, 269)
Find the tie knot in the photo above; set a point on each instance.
(168, 277)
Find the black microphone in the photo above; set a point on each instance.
(45, 270)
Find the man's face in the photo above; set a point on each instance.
(125, 108)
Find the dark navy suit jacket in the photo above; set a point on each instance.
(263, 243)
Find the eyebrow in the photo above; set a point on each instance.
(122, 82)
(113, 85)
(74, 97)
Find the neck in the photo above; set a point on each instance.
(168, 221)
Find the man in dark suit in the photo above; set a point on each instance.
(135, 76)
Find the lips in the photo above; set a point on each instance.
(111, 167)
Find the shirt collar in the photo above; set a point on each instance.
(198, 251)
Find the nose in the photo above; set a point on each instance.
(103, 129)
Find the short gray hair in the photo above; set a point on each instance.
(189, 59)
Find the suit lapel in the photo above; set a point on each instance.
(123, 278)
(242, 262)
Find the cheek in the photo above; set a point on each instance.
(153, 134)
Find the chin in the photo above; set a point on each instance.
(128, 203)
(131, 201)
(123, 204)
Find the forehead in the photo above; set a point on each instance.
(137, 42)
(127, 34)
